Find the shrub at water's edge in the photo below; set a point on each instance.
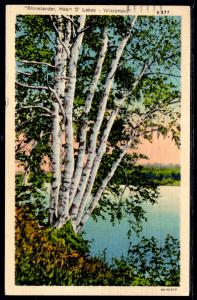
(46, 256)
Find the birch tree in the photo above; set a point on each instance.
(88, 89)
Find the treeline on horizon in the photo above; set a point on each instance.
(163, 174)
(159, 174)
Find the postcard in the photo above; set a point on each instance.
(97, 150)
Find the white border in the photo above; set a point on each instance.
(11, 12)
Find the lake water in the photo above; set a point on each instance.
(163, 219)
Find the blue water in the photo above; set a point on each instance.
(163, 219)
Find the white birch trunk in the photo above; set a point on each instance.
(100, 152)
(55, 163)
(84, 119)
(56, 133)
(63, 205)
(104, 184)
(97, 125)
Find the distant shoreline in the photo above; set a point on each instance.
(162, 175)
(171, 184)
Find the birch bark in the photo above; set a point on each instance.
(102, 149)
(55, 164)
(110, 174)
(100, 152)
(104, 184)
(84, 119)
(97, 125)
(56, 133)
(63, 206)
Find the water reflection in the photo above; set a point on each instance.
(163, 218)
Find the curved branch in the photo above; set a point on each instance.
(82, 30)
(44, 88)
(35, 87)
(35, 62)
(35, 106)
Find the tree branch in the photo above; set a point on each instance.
(49, 38)
(35, 62)
(18, 146)
(176, 100)
(35, 106)
(144, 68)
(127, 182)
(82, 30)
(35, 87)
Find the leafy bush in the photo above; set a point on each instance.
(149, 264)
(47, 256)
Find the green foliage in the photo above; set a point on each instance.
(35, 192)
(37, 44)
(149, 264)
(127, 191)
(163, 175)
(156, 264)
(46, 256)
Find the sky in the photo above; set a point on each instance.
(160, 151)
